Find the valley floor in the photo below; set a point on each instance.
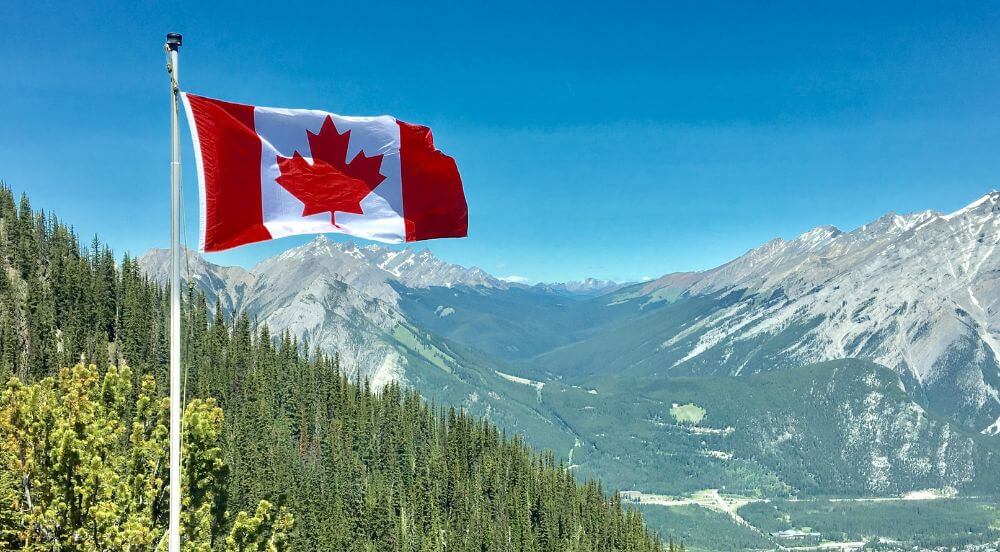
(915, 521)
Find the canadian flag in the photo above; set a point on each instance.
(267, 173)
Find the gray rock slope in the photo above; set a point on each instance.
(919, 293)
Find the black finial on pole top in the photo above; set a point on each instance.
(174, 41)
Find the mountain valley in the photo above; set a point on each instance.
(836, 364)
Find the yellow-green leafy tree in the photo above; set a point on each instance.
(84, 467)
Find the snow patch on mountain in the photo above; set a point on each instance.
(389, 371)
(992, 429)
(523, 381)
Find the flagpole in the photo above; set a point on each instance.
(174, 538)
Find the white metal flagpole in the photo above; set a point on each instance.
(174, 539)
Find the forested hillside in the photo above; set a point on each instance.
(358, 469)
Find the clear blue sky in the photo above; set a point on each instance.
(595, 139)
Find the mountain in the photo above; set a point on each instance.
(338, 296)
(917, 293)
(368, 269)
(226, 284)
(588, 287)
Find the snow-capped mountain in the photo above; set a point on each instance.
(337, 295)
(919, 293)
(587, 287)
(368, 269)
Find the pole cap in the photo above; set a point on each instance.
(174, 41)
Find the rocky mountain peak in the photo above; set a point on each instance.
(370, 269)
(819, 234)
(984, 206)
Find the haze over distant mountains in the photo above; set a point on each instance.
(587, 286)
(917, 295)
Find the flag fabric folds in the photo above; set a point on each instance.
(266, 173)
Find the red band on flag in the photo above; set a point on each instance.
(433, 200)
(230, 152)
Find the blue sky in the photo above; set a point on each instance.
(616, 140)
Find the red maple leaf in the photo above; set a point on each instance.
(330, 183)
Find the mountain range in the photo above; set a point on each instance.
(837, 363)
(917, 293)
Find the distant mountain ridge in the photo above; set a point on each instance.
(588, 287)
(365, 268)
